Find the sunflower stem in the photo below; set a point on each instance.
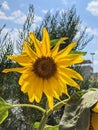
(43, 121)
(44, 118)
(29, 105)
(49, 112)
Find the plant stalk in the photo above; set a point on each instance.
(43, 121)
(29, 105)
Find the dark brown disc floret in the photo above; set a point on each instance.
(45, 67)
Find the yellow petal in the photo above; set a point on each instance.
(23, 60)
(65, 51)
(70, 73)
(52, 88)
(64, 88)
(46, 43)
(47, 88)
(67, 80)
(32, 85)
(25, 87)
(50, 102)
(33, 38)
(49, 93)
(78, 60)
(31, 99)
(56, 48)
(30, 52)
(24, 77)
(36, 88)
(36, 44)
(19, 70)
(69, 60)
(55, 87)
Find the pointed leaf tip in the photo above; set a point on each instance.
(4, 106)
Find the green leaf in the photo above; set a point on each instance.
(54, 42)
(3, 116)
(4, 106)
(76, 96)
(78, 52)
(49, 127)
(36, 125)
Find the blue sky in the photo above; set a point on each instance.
(13, 14)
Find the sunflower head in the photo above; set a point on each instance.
(46, 70)
(45, 67)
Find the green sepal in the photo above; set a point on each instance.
(4, 106)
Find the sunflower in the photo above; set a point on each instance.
(45, 69)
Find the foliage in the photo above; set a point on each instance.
(65, 23)
(3, 110)
(6, 48)
(23, 34)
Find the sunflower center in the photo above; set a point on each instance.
(44, 67)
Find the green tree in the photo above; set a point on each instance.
(66, 23)
(23, 34)
(6, 48)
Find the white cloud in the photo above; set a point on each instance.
(92, 31)
(62, 11)
(14, 35)
(37, 19)
(89, 30)
(96, 52)
(44, 11)
(20, 20)
(5, 5)
(4, 31)
(13, 32)
(34, 26)
(3, 16)
(95, 62)
(92, 7)
(19, 17)
(17, 13)
(80, 27)
(16, 16)
(64, 2)
(52, 10)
